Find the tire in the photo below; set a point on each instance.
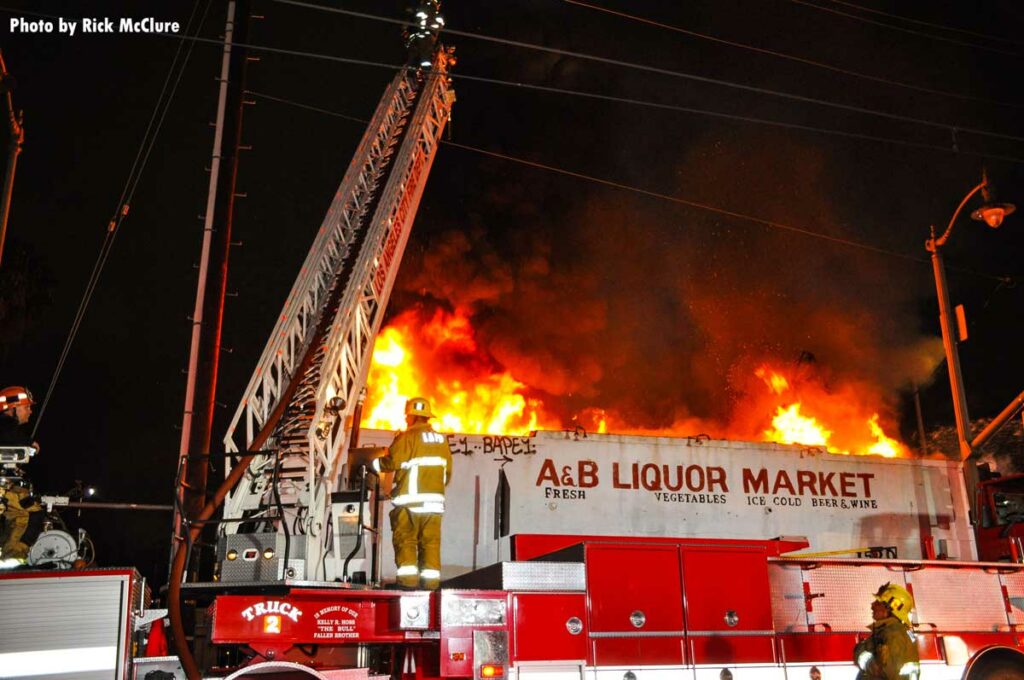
(999, 669)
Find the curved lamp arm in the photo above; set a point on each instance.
(937, 242)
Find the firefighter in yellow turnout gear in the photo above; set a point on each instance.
(422, 463)
(890, 652)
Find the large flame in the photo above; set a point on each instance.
(471, 396)
(438, 357)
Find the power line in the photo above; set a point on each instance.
(645, 192)
(654, 105)
(911, 31)
(612, 98)
(930, 24)
(790, 57)
(736, 117)
(948, 127)
(122, 207)
(668, 72)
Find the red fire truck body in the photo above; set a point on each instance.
(648, 608)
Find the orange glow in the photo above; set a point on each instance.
(436, 355)
(777, 383)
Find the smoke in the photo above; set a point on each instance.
(658, 313)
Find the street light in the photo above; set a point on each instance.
(992, 214)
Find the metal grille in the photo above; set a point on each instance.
(543, 576)
(1015, 591)
(959, 599)
(846, 592)
(789, 614)
(74, 626)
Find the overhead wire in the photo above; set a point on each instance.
(940, 38)
(737, 117)
(612, 98)
(668, 72)
(602, 97)
(791, 57)
(646, 192)
(919, 22)
(123, 204)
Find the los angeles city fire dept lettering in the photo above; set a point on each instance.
(709, 483)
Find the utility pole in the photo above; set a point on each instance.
(17, 135)
(207, 316)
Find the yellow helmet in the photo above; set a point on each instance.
(898, 599)
(418, 406)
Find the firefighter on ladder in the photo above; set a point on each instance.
(422, 463)
(18, 509)
(890, 651)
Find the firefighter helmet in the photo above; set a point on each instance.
(418, 406)
(14, 396)
(898, 599)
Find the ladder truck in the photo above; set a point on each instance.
(299, 592)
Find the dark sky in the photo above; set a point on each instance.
(594, 295)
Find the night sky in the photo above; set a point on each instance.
(591, 294)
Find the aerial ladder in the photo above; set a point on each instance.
(299, 406)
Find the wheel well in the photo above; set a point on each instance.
(994, 659)
(275, 669)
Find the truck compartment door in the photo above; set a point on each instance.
(728, 605)
(636, 604)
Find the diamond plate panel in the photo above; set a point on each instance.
(543, 576)
(787, 591)
(959, 599)
(523, 577)
(845, 592)
(1015, 591)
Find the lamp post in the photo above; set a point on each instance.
(992, 214)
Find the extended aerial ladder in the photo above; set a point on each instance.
(300, 402)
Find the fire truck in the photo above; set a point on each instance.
(567, 555)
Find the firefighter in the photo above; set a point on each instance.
(421, 36)
(18, 509)
(890, 651)
(422, 463)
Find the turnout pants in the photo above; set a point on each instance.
(17, 519)
(417, 541)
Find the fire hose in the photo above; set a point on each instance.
(178, 639)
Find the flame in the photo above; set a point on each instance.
(470, 396)
(789, 426)
(851, 431)
(437, 356)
